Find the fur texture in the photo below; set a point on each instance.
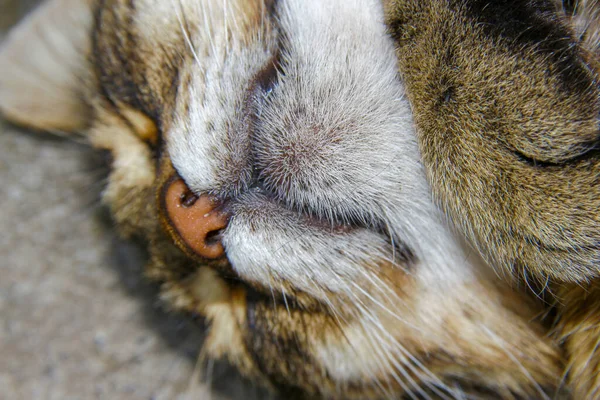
(508, 127)
(506, 103)
(341, 278)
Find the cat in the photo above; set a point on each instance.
(267, 153)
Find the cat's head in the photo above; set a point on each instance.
(266, 152)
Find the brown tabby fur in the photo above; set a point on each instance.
(496, 102)
(507, 104)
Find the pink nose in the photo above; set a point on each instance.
(197, 219)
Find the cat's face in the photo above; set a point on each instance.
(266, 152)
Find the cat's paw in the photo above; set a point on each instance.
(506, 103)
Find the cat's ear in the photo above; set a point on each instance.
(44, 67)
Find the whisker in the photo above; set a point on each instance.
(207, 28)
(76, 136)
(285, 301)
(184, 29)
(385, 356)
(196, 373)
(397, 347)
(226, 26)
(383, 307)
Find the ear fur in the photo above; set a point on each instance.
(44, 67)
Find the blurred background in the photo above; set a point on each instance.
(77, 320)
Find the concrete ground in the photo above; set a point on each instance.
(77, 320)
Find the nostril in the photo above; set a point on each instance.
(213, 237)
(188, 198)
(198, 220)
